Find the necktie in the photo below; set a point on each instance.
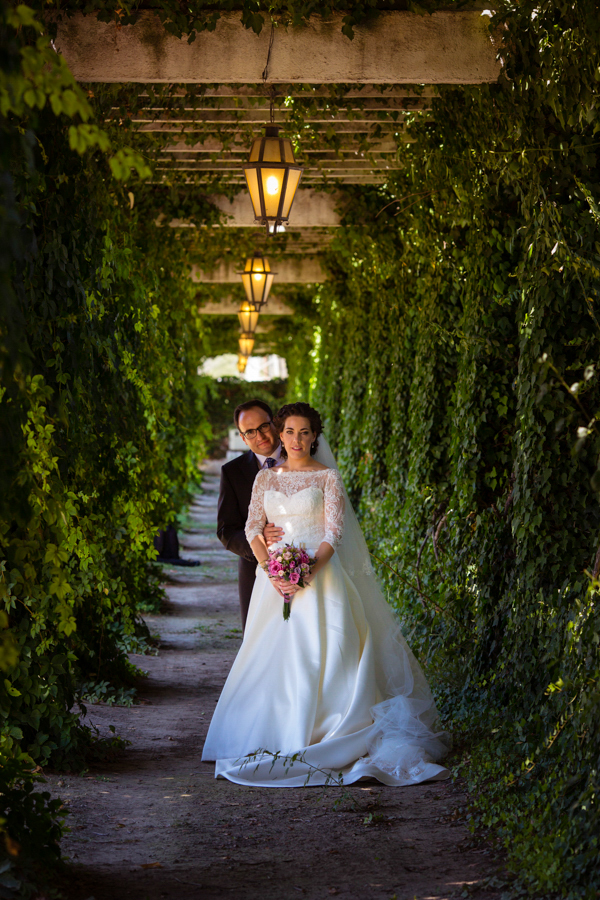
(270, 462)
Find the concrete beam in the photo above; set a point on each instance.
(290, 270)
(230, 305)
(395, 48)
(311, 209)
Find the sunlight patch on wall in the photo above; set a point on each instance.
(259, 368)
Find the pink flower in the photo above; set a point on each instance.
(294, 578)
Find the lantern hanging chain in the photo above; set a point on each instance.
(265, 75)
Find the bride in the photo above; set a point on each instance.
(334, 693)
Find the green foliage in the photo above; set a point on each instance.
(101, 413)
(31, 825)
(225, 394)
(454, 356)
(179, 19)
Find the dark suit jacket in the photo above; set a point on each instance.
(237, 478)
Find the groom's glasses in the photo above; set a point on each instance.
(252, 432)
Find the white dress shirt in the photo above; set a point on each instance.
(262, 460)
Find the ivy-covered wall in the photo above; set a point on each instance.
(454, 353)
(455, 358)
(101, 419)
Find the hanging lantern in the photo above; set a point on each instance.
(248, 316)
(257, 279)
(246, 343)
(272, 177)
(242, 363)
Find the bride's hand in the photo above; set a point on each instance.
(284, 587)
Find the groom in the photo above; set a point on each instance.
(254, 421)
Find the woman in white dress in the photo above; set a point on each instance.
(334, 693)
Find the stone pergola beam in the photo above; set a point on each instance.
(312, 209)
(396, 47)
(229, 306)
(290, 270)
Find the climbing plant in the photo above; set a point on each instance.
(455, 358)
(453, 353)
(101, 414)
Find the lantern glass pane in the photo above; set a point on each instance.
(268, 283)
(272, 150)
(288, 152)
(252, 182)
(246, 343)
(257, 264)
(255, 151)
(248, 287)
(290, 191)
(248, 317)
(258, 286)
(272, 181)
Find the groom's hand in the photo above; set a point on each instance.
(272, 534)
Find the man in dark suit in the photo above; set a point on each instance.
(254, 420)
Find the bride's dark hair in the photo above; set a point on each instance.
(307, 412)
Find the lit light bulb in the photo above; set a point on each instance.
(272, 184)
(258, 276)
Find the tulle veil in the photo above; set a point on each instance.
(408, 710)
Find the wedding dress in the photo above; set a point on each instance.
(334, 694)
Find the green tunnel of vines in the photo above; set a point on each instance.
(453, 353)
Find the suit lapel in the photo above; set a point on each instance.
(250, 471)
(251, 464)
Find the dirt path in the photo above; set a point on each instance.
(155, 823)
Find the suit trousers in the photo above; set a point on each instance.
(246, 579)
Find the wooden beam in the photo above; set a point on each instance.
(395, 48)
(230, 305)
(290, 270)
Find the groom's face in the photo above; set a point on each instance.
(263, 442)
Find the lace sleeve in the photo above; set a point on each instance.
(334, 508)
(257, 516)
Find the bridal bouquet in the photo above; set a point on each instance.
(292, 564)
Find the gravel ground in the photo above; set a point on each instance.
(155, 823)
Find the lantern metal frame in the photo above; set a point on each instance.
(257, 265)
(257, 163)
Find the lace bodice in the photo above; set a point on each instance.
(309, 506)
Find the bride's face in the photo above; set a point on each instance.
(297, 437)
